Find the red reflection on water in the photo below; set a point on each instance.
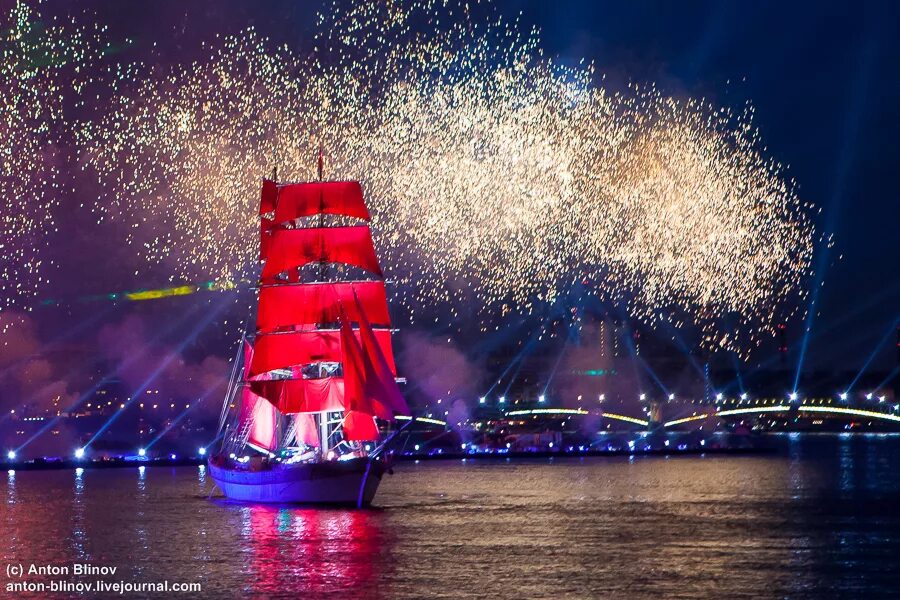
(312, 550)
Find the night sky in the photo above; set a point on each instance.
(820, 77)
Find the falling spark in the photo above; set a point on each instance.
(497, 178)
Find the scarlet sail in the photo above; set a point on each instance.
(359, 421)
(291, 396)
(294, 200)
(257, 416)
(285, 306)
(381, 387)
(290, 248)
(283, 350)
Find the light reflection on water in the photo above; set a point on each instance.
(818, 518)
(79, 534)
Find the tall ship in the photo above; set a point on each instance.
(312, 384)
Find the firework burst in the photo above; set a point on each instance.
(496, 177)
(40, 77)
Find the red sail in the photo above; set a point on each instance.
(283, 350)
(262, 429)
(300, 395)
(265, 237)
(269, 196)
(359, 422)
(289, 248)
(305, 430)
(330, 197)
(380, 382)
(359, 427)
(292, 396)
(256, 411)
(283, 306)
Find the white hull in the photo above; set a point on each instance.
(352, 482)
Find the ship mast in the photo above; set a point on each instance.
(322, 418)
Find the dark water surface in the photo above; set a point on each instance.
(820, 518)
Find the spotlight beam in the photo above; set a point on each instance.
(874, 353)
(857, 309)
(129, 361)
(640, 361)
(77, 329)
(171, 357)
(182, 415)
(841, 173)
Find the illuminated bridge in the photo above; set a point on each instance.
(762, 410)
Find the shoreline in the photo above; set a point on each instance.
(412, 457)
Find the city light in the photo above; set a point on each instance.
(869, 396)
(421, 420)
(671, 396)
(202, 451)
(142, 452)
(79, 453)
(843, 396)
(718, 397)
(11, 455)
(793, 396)
(502, 399)
(850, 411)
(642, 397)
(542, 398)
(882, 398)
(602, 397)
(547, 411)
(482, 400)
(685, 420)
(743, 396)
(416, 447)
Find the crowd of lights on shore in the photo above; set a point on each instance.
(762, 406)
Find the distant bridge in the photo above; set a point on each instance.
(809, 408)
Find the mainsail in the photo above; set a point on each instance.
(322, 350)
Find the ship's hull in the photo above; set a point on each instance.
(350, 483)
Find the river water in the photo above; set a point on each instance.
(818, 518)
